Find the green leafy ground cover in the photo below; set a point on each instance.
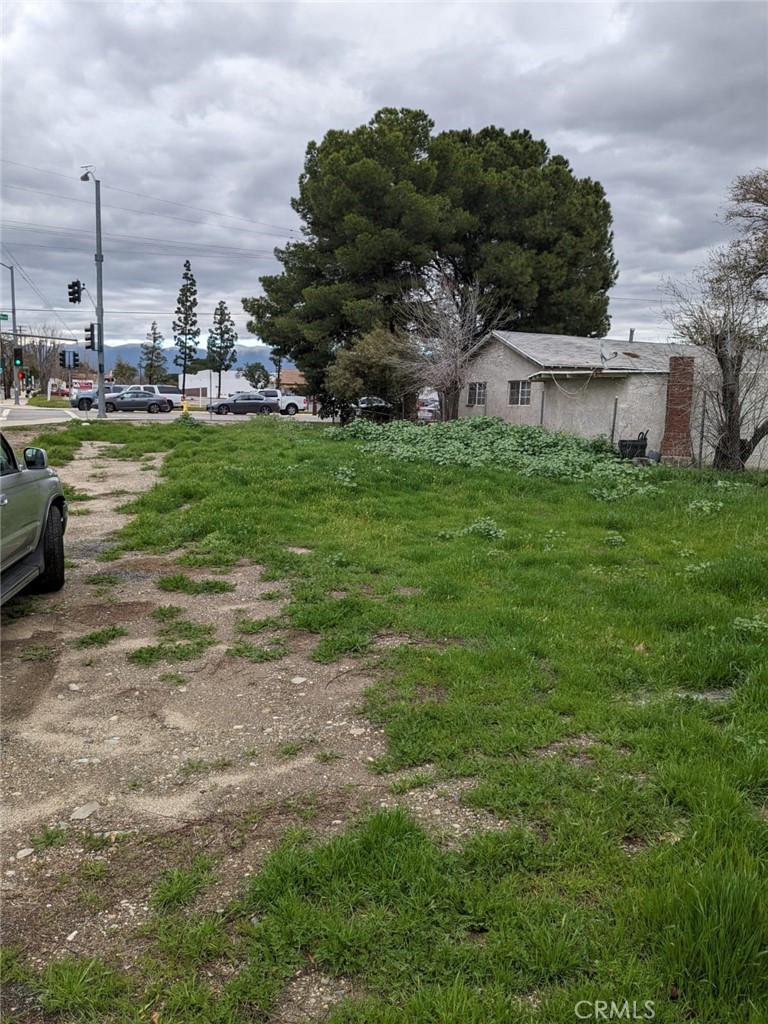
(589, 647)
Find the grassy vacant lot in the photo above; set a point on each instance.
(590, 647)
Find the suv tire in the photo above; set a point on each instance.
(52, 576)
(84, 404)
(292, 409)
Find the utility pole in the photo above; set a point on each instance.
(15, 332)
(102, 413)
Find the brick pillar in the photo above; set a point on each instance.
(676, 444)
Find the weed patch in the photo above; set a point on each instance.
(186, 585)
(100, 637)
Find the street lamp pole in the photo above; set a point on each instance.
(15, 331)
(99, 258)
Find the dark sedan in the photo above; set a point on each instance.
(137, 401)
(245, 402)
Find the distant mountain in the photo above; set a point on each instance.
(131, 354)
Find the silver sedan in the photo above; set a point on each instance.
(137, 401)
(243, 403)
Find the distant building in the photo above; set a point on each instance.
(291, 380)
(232, 381)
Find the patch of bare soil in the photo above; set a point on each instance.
(141, 767)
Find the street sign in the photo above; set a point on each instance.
(3, 316)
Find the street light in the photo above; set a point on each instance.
(9, 266)
(102, 413)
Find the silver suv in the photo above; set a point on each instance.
(167, 391)
(33, 518)
(84, 400)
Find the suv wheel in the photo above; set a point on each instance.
(52, 576)
(291, 409)
(84, 404)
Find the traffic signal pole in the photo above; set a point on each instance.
(102, 413)
(15, 333)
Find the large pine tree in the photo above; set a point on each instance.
(389, 206)
(185, 328)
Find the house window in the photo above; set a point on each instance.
(519, 392)
(476, 394)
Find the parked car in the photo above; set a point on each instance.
(244, 402)
(137, 401)
(289, 405)
(59, 392)
(33, 518)
(170, 392)
(85, 400)
(428, 412)
(372, 408)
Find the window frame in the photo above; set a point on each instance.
(477, 388)
(524, 390)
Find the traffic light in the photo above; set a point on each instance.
(75, 360)
(20, 375)
(75, 290)
(63, 359)
(90, 336)
(18, 357)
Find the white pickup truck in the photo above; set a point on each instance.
(289, 404)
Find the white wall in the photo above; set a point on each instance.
(231, 381)
(580, 405)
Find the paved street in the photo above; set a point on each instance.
(24, 415)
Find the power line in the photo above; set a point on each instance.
(49, 308)
(142, 213)
(182, 249)
(157, 199)
(54, 229)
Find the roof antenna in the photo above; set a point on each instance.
(631, 335)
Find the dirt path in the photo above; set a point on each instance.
(220, 752)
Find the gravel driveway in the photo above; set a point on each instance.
(105, 757)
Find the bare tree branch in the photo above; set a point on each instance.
(447, 319)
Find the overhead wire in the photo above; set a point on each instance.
(158, 199)
(49, 308)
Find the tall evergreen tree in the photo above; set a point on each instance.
(222, 337)
(388, 206)
(153, 358)
(123, 373)
(185, 329)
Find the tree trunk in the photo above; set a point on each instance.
(748, 445)
(450, 405)
(728, 451)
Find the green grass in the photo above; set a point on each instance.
(181, 583)
(557, 625)
(38, 652)
(181, 886)
(100, 637)
(272, 651)
(48, 838)
(201, 767)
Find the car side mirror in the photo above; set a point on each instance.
(35, 458)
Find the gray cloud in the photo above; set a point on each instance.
(211, 105)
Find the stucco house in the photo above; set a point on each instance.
(591, 386)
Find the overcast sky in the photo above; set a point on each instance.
(196, 116)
